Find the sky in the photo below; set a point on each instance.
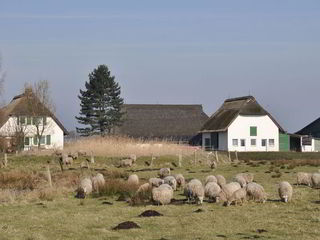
(168, 52)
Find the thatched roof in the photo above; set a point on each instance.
(230, 109)
(178, 122)
(312, 129)
(20, 106)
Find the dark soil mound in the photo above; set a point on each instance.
(107, 203)
(199, 210)
(150, 213)
(126, 225)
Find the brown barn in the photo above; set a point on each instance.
(158, 121)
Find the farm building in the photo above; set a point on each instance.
(158, 121)
(310, 137)
(25, 123)
(241, 124)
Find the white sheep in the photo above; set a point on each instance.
(256, 192)
(155, 182)
(212, 190)
(238, 196)
(162, 194)
(247, 176)
(221, 180)
(315, 180)
(144, 188)
(304, 178)
(126, 163)
(85, 187)
(230, 188)
(66, 160)
(98, 182)
(285, 191)
(164, 172)
(239, 178)
(133, 179)
(194, 190)
(180, 180)
(171, 181)
(211, 178)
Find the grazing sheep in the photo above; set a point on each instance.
(230, 188)
(133, 179)
(194, 190)
(126, 163)
(304, 178)
(85, 187)
(221, 180)
(221, 197)
(82, 153)
(315, 180)
(144, 188)
(164, 172)
(212, 190)
(155, 182)
(238, 196)
(171, 181)
(256, 192)
(66, 160)
(180, 180)
(211, 178)
(162, 194)
(285, 191)
(247, 176)
(239, 178)
(98, 182)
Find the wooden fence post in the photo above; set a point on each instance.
(217, 157)
(236, 155)
(195, 157)
(49, 175)
(5, 163)
(229, 156)
(92, 157)
(180, 160)
(152, 158)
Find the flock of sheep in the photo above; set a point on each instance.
(216, 189)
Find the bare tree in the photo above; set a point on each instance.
(40, 107)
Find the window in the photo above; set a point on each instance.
(235, 142)
(43, 140)
(27, 141)
(207, 142)
(36, 121)
(264, 142)
(48, 140)
(243, 142)
(271, 142)
(35, 140)
(29, 120)
(253, 142)
(44, 120)
(22, 120)
(253, 131)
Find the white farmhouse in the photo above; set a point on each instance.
(241, 124)
(25, 122)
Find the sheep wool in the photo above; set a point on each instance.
(98, 182)
(180, 180)
(221, 180)
(163, 194)
(315, 180)
(238, 196)
(256, 192)
(211, 178)
(304, 178)
(133, 179)
(155, 182)
(212, 190)
(285, 191)
(171, 181)
(164, 172)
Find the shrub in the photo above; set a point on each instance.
(118, 187)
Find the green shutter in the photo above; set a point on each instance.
(284, 142)
(22, 120)
(48, 140)
(26, 141)
(253, 131)
(35, 140)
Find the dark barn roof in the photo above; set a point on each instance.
(312, 129)
(19, 107)
(230, 109)
(177, 122)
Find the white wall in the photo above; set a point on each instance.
(52, 128)
(308, 148)
(240, 129)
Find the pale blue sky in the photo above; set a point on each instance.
(186, 52)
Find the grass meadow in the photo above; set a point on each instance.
(30, 209)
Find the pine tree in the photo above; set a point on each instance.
(100, 103)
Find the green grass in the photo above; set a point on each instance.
(65, 218)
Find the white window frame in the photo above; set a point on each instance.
(265, 142)
(253, 140)
(235, 142)
(271, 140)
(244, 141)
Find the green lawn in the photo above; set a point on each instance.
(65, 218)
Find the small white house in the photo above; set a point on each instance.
(23, 119)
(241, 124)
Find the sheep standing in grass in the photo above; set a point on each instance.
(315, 178)
(180, 180)
(247, 176)
(304, 178)
(239, 178)
(238, 196)
(194, 190)
(133, 179)
(98, 182)
(164, 172)
(162, 194)
(85, 188)
(144, 188)
(221, 180)
(155, 182)
(126, 163)
(211, 178)
(230, 188)
(171, 181)
(256, 192)
(212, 190)
(285, 191)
